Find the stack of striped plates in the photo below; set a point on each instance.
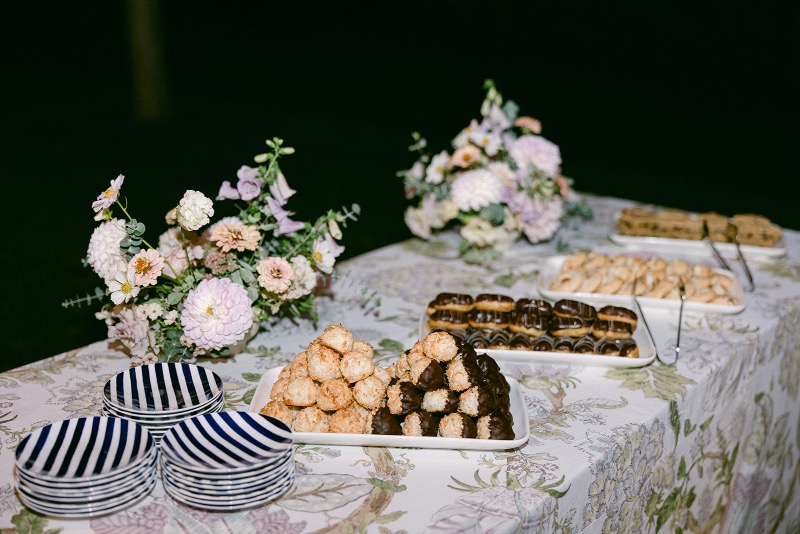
(227, 461)
(85, 467)
(161, 395)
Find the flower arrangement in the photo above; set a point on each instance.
(204, 288)
(502, 180)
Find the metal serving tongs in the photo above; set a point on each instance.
(682, 291)
(644, 319)
(707, 237)
(733, 234)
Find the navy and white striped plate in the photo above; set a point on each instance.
(227, 479)
(152, 421)
(162, 388)
(224, 504)
(259, 483)
(84, 449)
(226, 442)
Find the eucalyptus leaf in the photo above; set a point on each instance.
(174, 298)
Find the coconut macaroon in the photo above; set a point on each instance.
(421, 423)
(280, 411)
(463, 371)
(334, 394)
(441, 346)
(359, 345)
(457, 425)
(278, 388)
(384, 374)
(311, 419)
(348, 421)
(338, 338)
(440, 400)
(380, 421)
(495, 426)
(370, 392)
(323, 362)
(356, 366)
(477, 401)
(300, 392)
(426, 373)
(403, 398)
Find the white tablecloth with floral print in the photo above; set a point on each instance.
(711, 445)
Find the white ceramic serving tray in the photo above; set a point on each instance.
(552, 266)
(518, 411)
(647, 350)
(692, 246)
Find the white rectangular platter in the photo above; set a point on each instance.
(518, 412)
(647, 351)
(552, 265)
(693, 246)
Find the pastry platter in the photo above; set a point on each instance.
(518, 411)
(668, 245)
(551, 268)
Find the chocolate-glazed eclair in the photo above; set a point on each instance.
(382, 422)
(457, 425)
(520, 342)
(453, 301)
(421, 423)
(488, 301)
(403, 398)
(531, 322)
(499, 340)
(477, 401)
(542, 307)
(618, 313)
(612, 329)
(574, 308)
(427, 373)
(489, 319)
(607, 347)
(584, 345)
(478, 340)
(448, 320)
(462, 371)
(570, 326)
(628, 348)
(440, 400)
(563, 344)
(495, 426)
(543, 344)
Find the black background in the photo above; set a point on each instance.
(681, 103)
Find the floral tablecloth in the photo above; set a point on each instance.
(709, 445)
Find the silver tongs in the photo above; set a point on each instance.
(644, 321)
(707, 237)
(733, 234)
(682, 291)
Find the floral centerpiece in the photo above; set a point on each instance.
(203, 289)
(502, 180)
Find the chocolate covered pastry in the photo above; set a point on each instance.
(570, 326)
(563, 344)
(612, 329)
(489, 319)
(619, 314)
(487, 301)
(520, 342)
(487, 364)
(499, 341)
(574, 308)
(448, 319)
(453, 301)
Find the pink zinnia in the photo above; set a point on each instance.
(107, 198)
(465, 156)
(216, 314)
(147, 266)
(275, 274)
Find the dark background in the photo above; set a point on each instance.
(682, 103)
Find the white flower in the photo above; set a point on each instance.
(547, 220)
(480, 232)
(151, 311)
(305, 279)
(489, 141)
(430, 208)
(216, 313)
(417, 222)
(448, 210)
(194, 210)
(123, 286)
(133, 331)
(104, 252)
(507, 176)
(473, 190)
(463, 137)
(170, 241)
(417, 170)
(333, 228)
(323, 256)
(435, 171)
(170, 317)
(534, 151)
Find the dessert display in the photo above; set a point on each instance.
(439, 387)
(567, 325)
(752, 229)
(654, 277)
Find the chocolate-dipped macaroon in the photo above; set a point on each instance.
(427, 374)
(421, 423)
(500, 387)
(487, 364)
(495, 426)
(403, 398)
(462, 371)
(382, 422)
(457, 425)
(477, 401)
(440, 400)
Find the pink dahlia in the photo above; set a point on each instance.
(216, 314)
(275, 274)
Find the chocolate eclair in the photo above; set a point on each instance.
(619, 314)
(584, 345)
(488, 301)
(563, 344)
(612, 329)
(628, 348)
(570, 326)
(520, 342)
(542, 307)
(607, 347)
(499, 340)
(478, 340)
(574, 308)
(542, 344)
(453, 301)
(448, 320)
(489, 319)
(530, 321)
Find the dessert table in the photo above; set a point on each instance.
(711, 444)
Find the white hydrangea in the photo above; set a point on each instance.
(534, 151)
(194, 210)
(104, 253)
(473, 190)
(417, 222)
